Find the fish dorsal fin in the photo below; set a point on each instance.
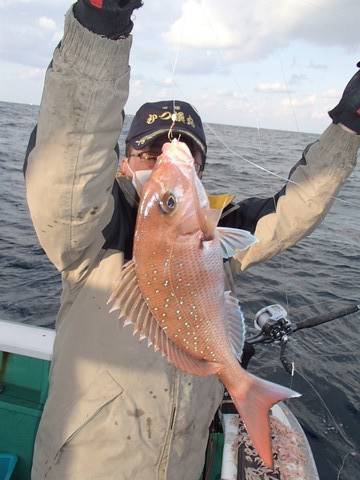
(235, 323)
(232, 239)
(220, 201)
(127, 298)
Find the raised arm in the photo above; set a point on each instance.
(71, 162)
(281, 221)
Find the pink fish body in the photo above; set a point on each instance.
(173, 289)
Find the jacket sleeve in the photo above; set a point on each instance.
(293, 213)
(71, 168)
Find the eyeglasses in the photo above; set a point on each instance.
(151, 157)
(146, 156)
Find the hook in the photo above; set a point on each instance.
(170, 134)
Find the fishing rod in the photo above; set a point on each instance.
(274, 327)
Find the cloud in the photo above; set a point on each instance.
(31, 73)
(29, 30)
(12, 3)
(25, 45)
(319, 115)
(193, 28)
(297, 78)
(203, 62)
(38, 6)
(299, 102)
(317, 66)
(332, 93)
(254, 30)
(272, 88)
(57, 36)
(210, 39)
(46, 23)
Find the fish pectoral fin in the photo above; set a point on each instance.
(235, 324)
(189, 364)
(133, 310)
(232, 239)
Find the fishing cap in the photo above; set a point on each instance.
(154, 119)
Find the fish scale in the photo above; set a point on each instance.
(173, 291)
(184, 296)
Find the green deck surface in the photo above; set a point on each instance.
(212, 469)
(23, 391)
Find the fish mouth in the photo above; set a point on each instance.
(177, 151)
(175, 155)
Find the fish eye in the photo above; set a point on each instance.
(168, 202)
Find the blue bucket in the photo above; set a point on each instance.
(7, 465)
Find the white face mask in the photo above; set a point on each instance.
(139, 178)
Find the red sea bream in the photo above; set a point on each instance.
(173, 289)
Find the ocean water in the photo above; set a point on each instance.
(319, 274)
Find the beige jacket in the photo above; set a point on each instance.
(116, 409)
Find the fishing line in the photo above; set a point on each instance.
(316, 354)
(173, 116)
(352, 452)
(291, 103)
(343, 462)
(254, 164)
(343, 242)
(237, 85)
(212, 130)
(259, 143)
(348, 353)
(287, 286)
(172, 82)
(288, 94)
(338, 428)
(336, 198)
(219, 138)
(300, 344)
(236, 154)
(308, 306)
(221, 56)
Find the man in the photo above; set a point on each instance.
(116, 409)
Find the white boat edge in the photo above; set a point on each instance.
(27, 340)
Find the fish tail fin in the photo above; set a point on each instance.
(253, 398)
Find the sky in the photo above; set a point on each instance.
(269, 64)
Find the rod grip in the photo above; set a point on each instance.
(327, 317)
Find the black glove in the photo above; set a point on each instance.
(347, 111)
(110, 18)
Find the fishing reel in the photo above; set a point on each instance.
(274, 326)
